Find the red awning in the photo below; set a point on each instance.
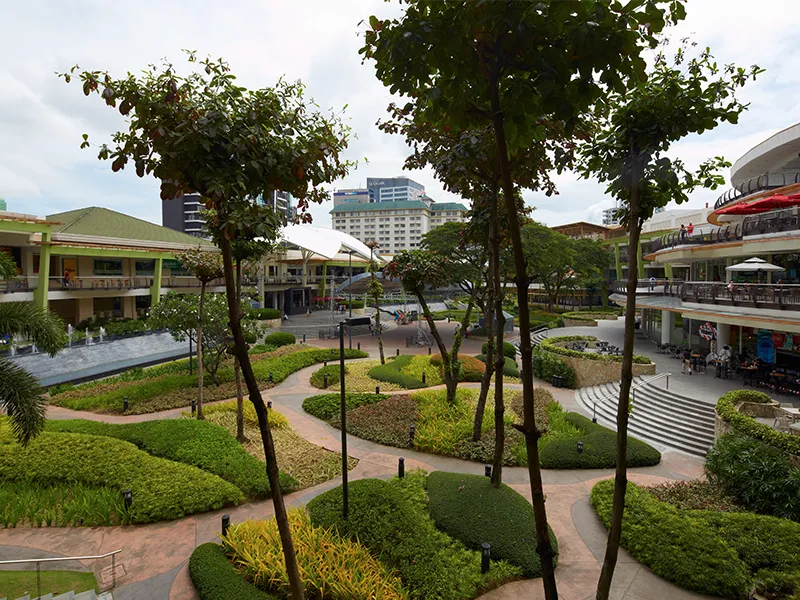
(740, 209)
(761, 205)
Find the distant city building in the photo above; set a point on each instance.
(351, 196)
(185, 213)
(394, 189)
(395, 225)
(611, 215)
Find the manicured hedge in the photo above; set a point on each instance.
(261, 349)
(265, 314)
(328, 406)
(386, 422)
(550, 344)
(280, 338)
(215, 578)
(470, 509)
(599, 448)
(162, 489)
(547, 364)
(390, 518)
(510, 367)
(469, 367)
(189, 441)
(391, 372)
(332, 371)
(509, 349)
(726, 410)
(710, 552)
(757, 475)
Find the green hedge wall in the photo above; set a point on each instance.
(390, 372)
(546, 364)
(726, 410)
(215, 578)
(280, 338)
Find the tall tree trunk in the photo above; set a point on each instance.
(543, 546)
(240, 350)
(450, 382)
(621, 476)
(486, 381)
(380, 333)
(201, 319)
(240, 436)
(499, 317)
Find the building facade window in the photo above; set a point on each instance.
(107, 267)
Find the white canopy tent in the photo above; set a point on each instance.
(325, 242)
(755, 265)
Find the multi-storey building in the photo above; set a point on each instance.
(185, 213)
(351, 196)
(397, 225)
(394, 189)
(701, 299)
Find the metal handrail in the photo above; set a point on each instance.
(38, 561)
(634, 387)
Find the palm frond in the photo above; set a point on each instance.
(8, 268)
(43, 328)
(21, 398)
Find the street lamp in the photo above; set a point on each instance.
(349, 322)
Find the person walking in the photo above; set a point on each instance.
(682, 233)
(66, 279)
(731, 288)
(652, 284)
(686, 361)
(690, 230)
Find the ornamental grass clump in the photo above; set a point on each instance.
(331, 567)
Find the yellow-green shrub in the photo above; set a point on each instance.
(331, 567)
(276, 419)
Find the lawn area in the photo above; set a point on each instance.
(446, 429)
(711, 551)
(15, 584)
(171, 386)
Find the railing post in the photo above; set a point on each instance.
(38, 580)
(667, 380)
(113, 571)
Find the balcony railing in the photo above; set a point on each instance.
(759, 183)
(771, 222)
(778, 296)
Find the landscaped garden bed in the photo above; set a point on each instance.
(172, 386)
(715, 552)
(390, 540)
(444, 428)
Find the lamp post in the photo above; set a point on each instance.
(350, 297)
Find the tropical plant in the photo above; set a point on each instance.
(205, 134)
(628, 152)
(20, 393)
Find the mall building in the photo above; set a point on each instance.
(735, 278)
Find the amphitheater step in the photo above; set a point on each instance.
(658, 416)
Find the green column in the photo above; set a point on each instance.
(640, 264)
(155, 289)
(43, 287)
(618, 265)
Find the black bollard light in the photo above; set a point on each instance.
(304, 338)
(269, 404)
(486, 555)
(325, 363)
(401, 467)
(271, 378)
(325, 381)
(411, 431)
(429, 350)
(359, 345)
(226, 523)
(377, 389)
(398, 352)
(194, 406)
(125, 404)
(487, 470)
(127, 498)
(580, 447)
(594, 413)
(423, 378)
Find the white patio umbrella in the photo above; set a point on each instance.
(755, 264)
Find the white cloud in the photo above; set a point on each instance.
(42, 169)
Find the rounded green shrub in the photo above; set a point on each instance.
(391, 372)
(215, 578)
(509, 349)
(328, 406)
(280, 338)
(510, 367)
(470, 509)
(759, 476)
(546, 364)
(332, 371)
(265, 314)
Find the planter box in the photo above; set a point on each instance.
(595, 372)
(578, 323)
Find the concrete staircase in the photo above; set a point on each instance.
(89, 595)
(537, 337)
(659, 416)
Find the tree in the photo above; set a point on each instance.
(530, 72)
(550, 258)
(629, 154)
(204, 134)
(21, 396)
(205, 266)
(375, 291)
(418, 270)
(244, 251)
(180, 315)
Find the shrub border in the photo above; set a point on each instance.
(726, 410)
(549, 345)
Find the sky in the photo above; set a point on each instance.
(44, 171)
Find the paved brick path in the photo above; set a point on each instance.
(154, 557)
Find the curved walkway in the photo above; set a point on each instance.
(153, 565)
